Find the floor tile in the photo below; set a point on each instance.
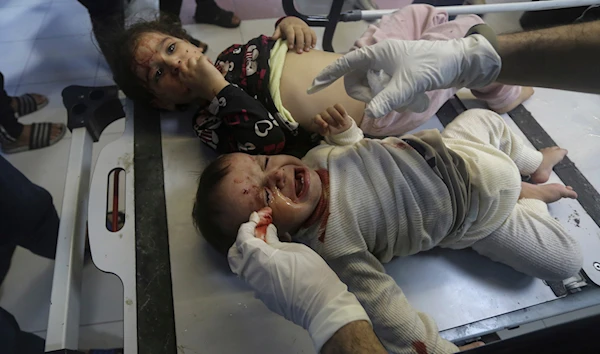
(12, 26)
(218, 39)
(346, 34)
(10, 90)
(103, 69)
(503, 22)
(254, 28)
(22, 3)
(251, 10)
(61, 59)
(66, 19)
(104, 81)
(13, 59)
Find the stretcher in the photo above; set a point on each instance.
(180, 297)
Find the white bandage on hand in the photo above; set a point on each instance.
(395, 74)
(295, 282)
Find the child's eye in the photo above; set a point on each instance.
(158, 74)
(171, 48)
(268, 197)
(266, 162)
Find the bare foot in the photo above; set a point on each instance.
(23, 139)
(526, 92)
(547, 193)
(552, 156)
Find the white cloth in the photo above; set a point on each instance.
(294, 282)
(385, 201)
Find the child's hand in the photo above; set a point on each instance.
(333, 121)
(297, 33)
(202, 78)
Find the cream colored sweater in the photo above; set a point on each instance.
(386, 201)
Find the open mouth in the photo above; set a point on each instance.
(301, 180)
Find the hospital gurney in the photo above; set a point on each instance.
(175, 288)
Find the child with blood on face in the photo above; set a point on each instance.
(253, 99)
(361, 202)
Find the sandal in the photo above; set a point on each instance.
(27, 104)
(40, 137)
(216, 16)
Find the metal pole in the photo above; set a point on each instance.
(63, 321)
(370, 15)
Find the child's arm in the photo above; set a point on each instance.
(337, 127)
(400, 328)
(297, 33)
(243, 125)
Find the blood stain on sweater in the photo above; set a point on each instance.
(420, 347)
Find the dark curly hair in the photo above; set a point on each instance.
(207, 210)
(119, 49)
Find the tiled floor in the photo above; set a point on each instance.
(46, 45)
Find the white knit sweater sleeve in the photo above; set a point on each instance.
(400, 328)
(351, 136)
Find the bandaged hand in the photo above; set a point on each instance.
(294, 281)
(297, 33)
(395, 74)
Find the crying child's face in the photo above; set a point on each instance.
(281, 182)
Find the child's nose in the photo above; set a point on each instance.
(173, 64)
(278, 178)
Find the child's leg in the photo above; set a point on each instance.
(486, 127)
(503, 98)
(533, 242)
(408, 23)
(411, 23)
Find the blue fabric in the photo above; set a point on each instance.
(27, 219)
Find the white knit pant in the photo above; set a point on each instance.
(530, 240)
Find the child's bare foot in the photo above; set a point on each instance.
(547, 193)
(526, 92)
(552, 156)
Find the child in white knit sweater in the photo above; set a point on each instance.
(360, 202)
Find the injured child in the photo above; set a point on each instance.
(254, 98)
(361, 202)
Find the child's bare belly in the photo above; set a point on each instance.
(298, 72)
